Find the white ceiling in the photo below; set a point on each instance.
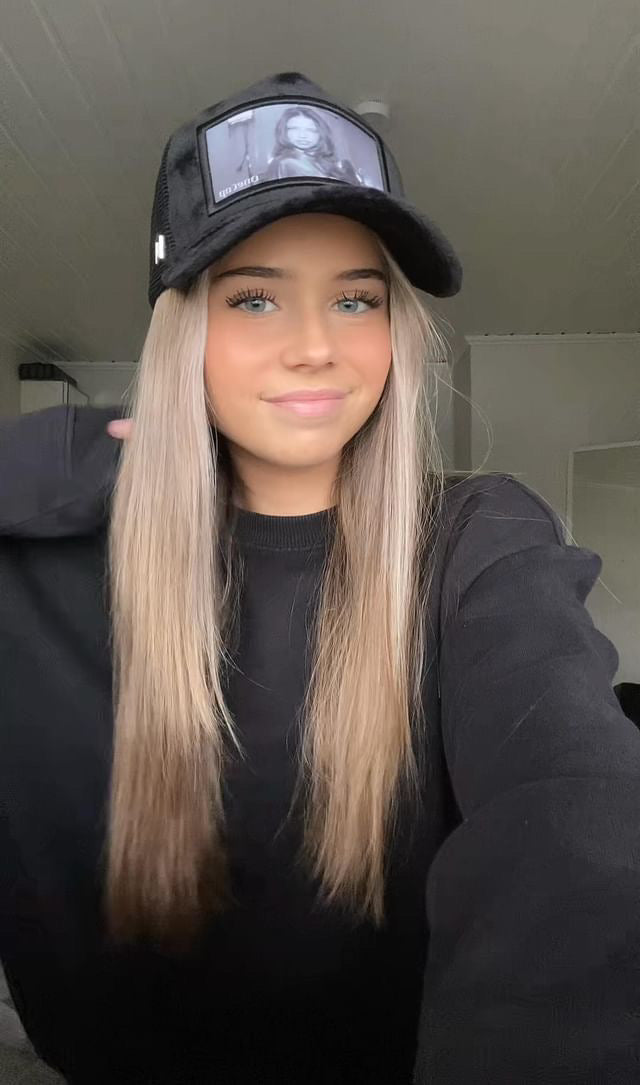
(515, 123)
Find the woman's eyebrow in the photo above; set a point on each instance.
(279, 273)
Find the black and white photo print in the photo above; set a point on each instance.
(279, 142)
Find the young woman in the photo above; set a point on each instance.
(311, 768)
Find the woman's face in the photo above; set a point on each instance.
(302, 132)
(311, 314)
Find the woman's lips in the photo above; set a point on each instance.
(310, 408)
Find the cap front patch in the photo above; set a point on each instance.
(287, 142)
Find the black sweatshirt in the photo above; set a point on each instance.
(511, 951)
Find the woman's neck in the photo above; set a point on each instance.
(274, 490)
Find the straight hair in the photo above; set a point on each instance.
(175, 579)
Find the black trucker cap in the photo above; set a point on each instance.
(283, 147)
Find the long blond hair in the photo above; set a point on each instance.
(174, 588)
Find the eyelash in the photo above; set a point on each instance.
(247, 295)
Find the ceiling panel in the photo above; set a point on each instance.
(515, 125)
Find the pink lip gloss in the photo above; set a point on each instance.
(309, 408)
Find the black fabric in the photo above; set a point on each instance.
(628, 694)
(512, 944)
(160, 224)
(197, 236)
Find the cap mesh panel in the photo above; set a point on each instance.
(160, 225)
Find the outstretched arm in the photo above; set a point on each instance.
(533, 901)
(57, 468)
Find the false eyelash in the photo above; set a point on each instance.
(246, 295)
(362, 295)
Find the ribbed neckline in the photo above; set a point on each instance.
(282, 532)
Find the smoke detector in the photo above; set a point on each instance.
(376, 112)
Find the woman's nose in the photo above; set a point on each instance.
(311, 341)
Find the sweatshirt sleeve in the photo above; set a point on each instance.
(57, 469)
(533, 901)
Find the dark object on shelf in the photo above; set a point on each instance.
(628, 694)
(44, 371)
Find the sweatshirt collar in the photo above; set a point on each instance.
(281, 532)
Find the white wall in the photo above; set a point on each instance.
(105, 383)
(609, 516)
(9, 388)
(543, 396)
(547, 394)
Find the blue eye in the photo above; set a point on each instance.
(369, 300)
(372, 301)
(252, 296)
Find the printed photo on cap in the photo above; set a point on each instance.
(289, 140)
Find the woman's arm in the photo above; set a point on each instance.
(57, 468)
(533, 973)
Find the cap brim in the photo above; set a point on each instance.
(417, 244)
